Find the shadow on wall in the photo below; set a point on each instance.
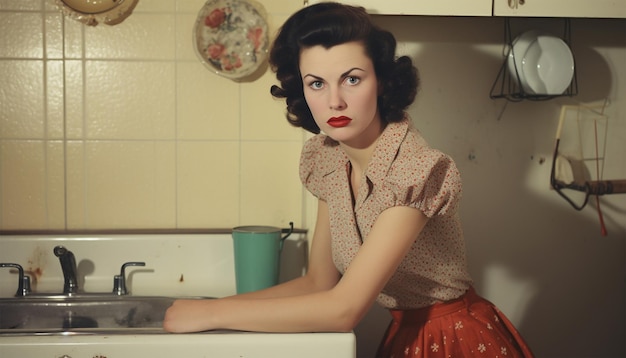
(549, 269)
(543, 263)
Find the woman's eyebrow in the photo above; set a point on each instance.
(350, 70)
(314, 76)
(342, 75)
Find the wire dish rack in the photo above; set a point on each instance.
(509, 86)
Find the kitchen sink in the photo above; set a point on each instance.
(94, 322)
(131, 326)
(94, 325)
(83, 314)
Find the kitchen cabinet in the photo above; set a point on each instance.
(423, 7)
(560, 8)
(521, 8)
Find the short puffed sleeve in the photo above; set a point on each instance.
(316, 160)
(426, 179)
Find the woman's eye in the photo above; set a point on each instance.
(352, 80)
(316, 84)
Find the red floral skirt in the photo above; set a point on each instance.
(469, 326)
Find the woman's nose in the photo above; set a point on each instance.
(336, 101)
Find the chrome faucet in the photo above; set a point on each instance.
(70, 275)
(70, 272)
(23, 283)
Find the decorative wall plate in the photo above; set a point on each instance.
(231, 37)
(92, 12)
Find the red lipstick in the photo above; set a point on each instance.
(339, 122)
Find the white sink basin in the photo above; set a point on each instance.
(222, 344)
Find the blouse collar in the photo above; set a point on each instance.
(384, 153)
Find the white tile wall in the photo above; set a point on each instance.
(123, 127)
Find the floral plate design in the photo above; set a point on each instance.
(231, 37)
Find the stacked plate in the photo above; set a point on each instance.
(543, 63)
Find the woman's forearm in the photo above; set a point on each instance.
(241, 311)
(315, 312)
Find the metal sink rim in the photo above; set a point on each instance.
(29, 305)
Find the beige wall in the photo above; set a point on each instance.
(123, 127)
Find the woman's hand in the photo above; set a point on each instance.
(189, 316)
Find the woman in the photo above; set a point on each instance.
(387, 228)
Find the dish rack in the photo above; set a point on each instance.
(510, 87)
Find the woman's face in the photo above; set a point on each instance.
(341, 89)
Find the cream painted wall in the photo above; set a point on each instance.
(122, 127)
(544, 264)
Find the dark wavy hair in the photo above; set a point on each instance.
(329, 24)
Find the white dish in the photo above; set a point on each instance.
(93, 12)
(92, 7)
(519, 46)
(231, 37)
(547, 66)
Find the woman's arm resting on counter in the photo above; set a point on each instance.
(320, 301)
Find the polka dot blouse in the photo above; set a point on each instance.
(403, 171)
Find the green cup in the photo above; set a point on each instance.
(257, 256)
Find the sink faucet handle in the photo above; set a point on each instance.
(119, 281)
(23, 285)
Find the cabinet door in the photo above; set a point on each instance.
(560, 8)
(423, 7)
